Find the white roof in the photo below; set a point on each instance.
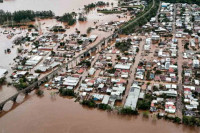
(106, 99)
(71, 81)
(132, 98)
(122, 66)
(2, 72)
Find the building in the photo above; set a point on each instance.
(3, 72)
(196, 63)
(71, 81)
(33, 61)
(133, 96)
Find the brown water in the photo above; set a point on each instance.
(12, 5)
(6, 59)
(62, 115)
(59, 7)
(6, 91)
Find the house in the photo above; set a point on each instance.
(105, 99)
(33, 61)
(3, 72)
(196, 63)
(91, 71)
(71, 81)
(122, 66)
(170, 107)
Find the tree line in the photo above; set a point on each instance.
(69, 18)
(23, 15)
(93, 5)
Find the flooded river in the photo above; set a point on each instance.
(62, 115)
(59, 7)
(92, 16)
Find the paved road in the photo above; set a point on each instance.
(158, 12)
(179, 105)
(133, 70)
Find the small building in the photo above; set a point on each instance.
(196, 63)
(93, 37)
(3, 72)
(133, 96)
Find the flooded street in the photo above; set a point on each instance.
(63, 115)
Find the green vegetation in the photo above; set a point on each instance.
(112, 70)
(90, 103)
(89, 30)
(2, 81)
(177, 120)
(142, 19)
(158, 72)
(191, 121)
(148, 83)
(94, 5)
(128, 111)
(22, 84)
(23, 16)
(85, 63)
(145, 103)
(38, 71)
(134, 6)
(105, 11)
(57, 29)
(69, 18)
(66, 92)
(123, 46)
(104, 107)
(39, 92)
(184, 1)
(145, 114)
(173, 119)
(82, 18)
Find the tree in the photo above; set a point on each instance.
(112, 70)
(128, 111)
(66, 92)
(70, 18)
(89, 30)
(2, 80)
(144, 104)
(177, 120)
(90, 103)
(158, 72)
(146, 114)
(104, 106)
(39, 92)
(86, 63)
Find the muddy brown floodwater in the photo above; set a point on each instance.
(62, 115)
(59, 7)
